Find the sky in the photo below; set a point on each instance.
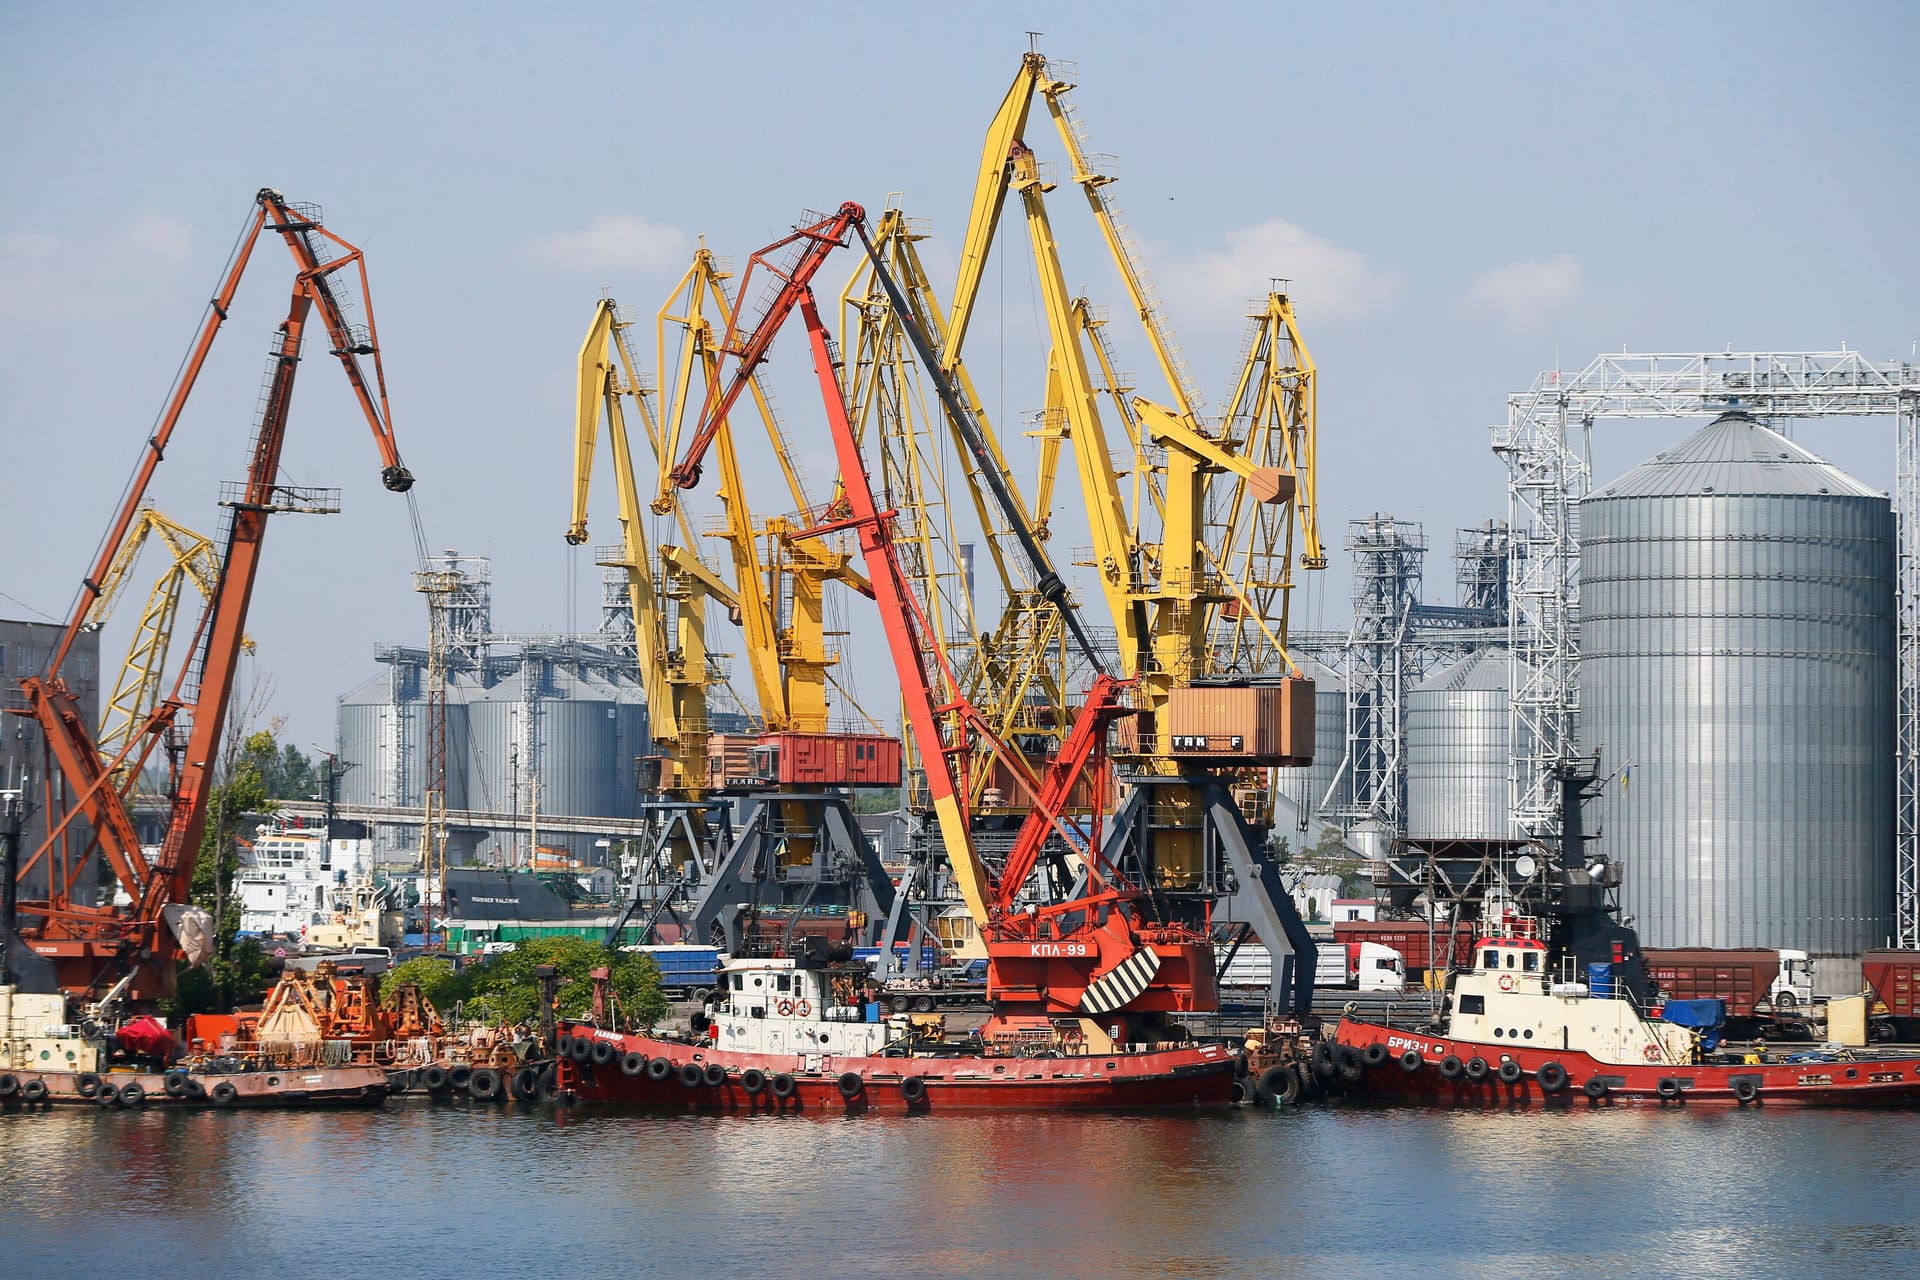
(1461, 197)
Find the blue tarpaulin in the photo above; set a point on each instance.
(1703, 1015)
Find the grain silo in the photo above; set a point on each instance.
(1306, 789)
(1737, 672)
(1458, 745)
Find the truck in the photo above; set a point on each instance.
(1411, 938)
(1769, 992)
(1354, 966)
(964, 984)
(687, 971)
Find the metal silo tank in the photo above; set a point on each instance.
(1458, 744)
(495, 777)
(1737, 639)
(1307, 788)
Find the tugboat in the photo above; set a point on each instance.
(1511, 1034)
(802, 1034)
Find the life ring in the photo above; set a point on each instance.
(659, 1070)
(801, 1008)
(782, 1086)
(753, 1080)
(1507, 982)
(224, 1094)
(914, 1090)
(1652, 1053)
(633, 1063)
(784, 1008)
(851, 1085)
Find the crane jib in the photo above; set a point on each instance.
(1047, 581)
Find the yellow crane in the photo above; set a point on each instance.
(136, 689)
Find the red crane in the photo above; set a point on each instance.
(1083, 960)
(92, 947)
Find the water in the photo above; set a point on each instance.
(1324, 1192)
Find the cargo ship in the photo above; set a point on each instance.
(1510, 1033)
(801, 1034)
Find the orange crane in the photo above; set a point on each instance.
(93, 947)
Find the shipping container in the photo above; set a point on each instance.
(1743, 977)
(1094, 791)
(730, 761)
(1409, 938)
(1250, 724)
(828, 759)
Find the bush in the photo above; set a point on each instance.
(504, 988)
(436, 977)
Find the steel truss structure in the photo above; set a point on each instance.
(1547, 476)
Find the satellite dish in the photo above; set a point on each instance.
(1524, 866)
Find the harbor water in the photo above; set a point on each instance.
(1321, 1192)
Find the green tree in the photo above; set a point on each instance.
(234, 973)
(438, 980)
(505, 988)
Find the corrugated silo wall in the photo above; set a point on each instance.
(1457, 745)
(1737, 659)
(1307, 788)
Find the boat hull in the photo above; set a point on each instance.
(1870, 1082)
(252, 1090)
(1188, 1078)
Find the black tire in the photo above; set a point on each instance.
(484, 1085)
(435, 1078)
(548, 1084)
(34, 1091)
(781, 1086)
(196, 1092)
(398, 1082)
(702, 994)
(690, 1075)
(851, 1085)
(1551, 1077)
(1477, 1068)
(86, 1084)
(1375, 1054)
(1241, 1094)
(660, 1070)
(1785, 1000)
(581, 1049)
(714, 1076)
(1510, 1072)
(1279, 1086)
(1240, 1067)
(1745, 1091)
(923, 1004)
(224, 1094)
(133, 1094)
(109, 1096)
(1451, 1068)
(525, 1084)
(633, 1063)
(1411, 1061)
(899, 1004)
(563, 1046)
(1323, 1063)
(1667, 1087)
(174, 1084)
(754, 1081)
(458, 1077)
(1349, 1063)
(1595, 1088)
(603, 1053)
(914, 1090)
(699, 1023)
(9, 1084)
(1309, 1086)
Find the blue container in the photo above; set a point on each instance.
(1600, 980)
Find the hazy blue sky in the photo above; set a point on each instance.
(1462, 195)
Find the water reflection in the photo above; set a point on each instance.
(1317, 1193)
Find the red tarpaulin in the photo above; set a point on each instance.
(145, 1036)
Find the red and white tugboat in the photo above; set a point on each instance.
(1509, 1033)
(797, 1034)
